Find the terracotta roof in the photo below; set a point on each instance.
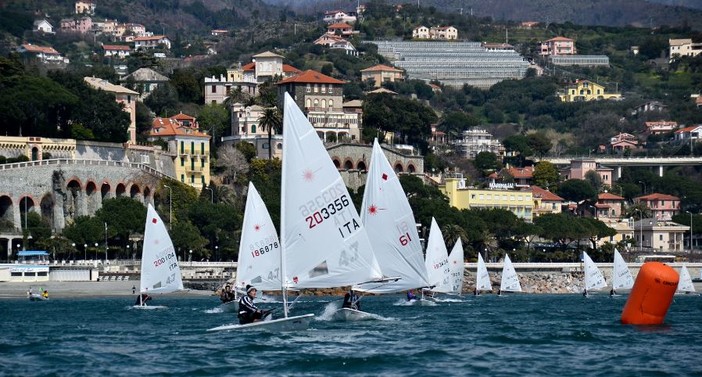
(151, 38)
(688, 129)
(39, 49)
(658, 196)
(340, 25)
(115, 47)
(557, 39)
(171, 127)
(249, 67)
(182, 116)
(545, 195)
(609, 196)
(381, 68)
(288, 68)
(601, 205)
(381, 91)
(526, 172)
(312, 77)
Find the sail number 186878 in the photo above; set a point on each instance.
(324, 213)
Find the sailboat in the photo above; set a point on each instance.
(510, 279)
(390, 224)
(685, 284)
(593, 276)
(324, 243)
(160, 272)
(457, 264)
(437, 261)
(482, 282)
(621, 276)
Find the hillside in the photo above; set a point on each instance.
(639, 13)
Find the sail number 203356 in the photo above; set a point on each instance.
(324, 213)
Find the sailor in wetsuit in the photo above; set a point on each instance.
(351, 300)
(248, 312)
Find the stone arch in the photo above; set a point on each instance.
(36, 155)
(135, 193)
(26, 205)
(411, 168)
(7, 213)
(147, 195)
(348, 164)
(330, 136)
(360, 165)
(105, 191)
(336, 162)
(47, 208)
(92, 198)
(320, 134)
(72, 201)
(121, 190)
(279, 146)
(398, 167)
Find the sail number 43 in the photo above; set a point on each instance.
(324, 213)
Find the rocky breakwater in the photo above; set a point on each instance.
(546, 282)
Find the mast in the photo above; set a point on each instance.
(283, 186)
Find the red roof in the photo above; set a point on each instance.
(151, 38)
(34, 48)
(289, 68)
(688, 129)
(310, 77)
(545, 195)
(341, 25)
(172, 127)
(524, 173)
(115, 47)
(381, 68)
(249, 67)
(609, 196)
(560, 39)
(657, 196)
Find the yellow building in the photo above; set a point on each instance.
(521, 203)
(189, 146)
(585, 90)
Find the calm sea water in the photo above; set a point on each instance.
(517, 335)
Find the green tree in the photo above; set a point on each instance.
(215, 118)
(271, 120)
(545, 175)
(577, 190)
(487, 161)
(539, 143)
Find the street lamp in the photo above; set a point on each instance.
(211, 194)
(26, 231)
(85, 251)
(96, 249)
(640, 228)
(190, 256)
(105, 241)
(690, 229)
(74, 249)
(170, 207)
(217, 252)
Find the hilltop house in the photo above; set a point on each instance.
(152, 42)
(124, 96)
(43, 54)
(85, 7)
(558, 46)
(145, 80)
(341, 28)
(43, 26)
(81, 25)
(338, 16)
(245, 127)
(662, 206)
(689, 133)
(659, 127)
(586, 90)
(382, 73)
(119, 51)
(683, 47)
(435, 32)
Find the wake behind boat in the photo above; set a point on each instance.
(160, 272)
(295, 323)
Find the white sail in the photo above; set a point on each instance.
(324, 241)
(621, 276)
(457, 263)
(437, 264)
(160, 272)
(259, 248)
(593, 276)
(482, 277)
(685, 283)
(389, 221)
(510, 279)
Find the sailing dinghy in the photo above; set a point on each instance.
(685, 284)
(621, 276)
(160, 272)
(482, 282)
(510, 279)
(457, 264)
(594, 279)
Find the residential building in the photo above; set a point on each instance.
(522, 177)
(120, 51)
(346, 46)
(321, 98)
(579, 60)
(609, 205)
(43, 26)
(529, 24)
(152, 42)
(521, 203)
(558, 46)
(691, 133)
(660, 235)
(662, 206)
(126, 97)
(622, 142)
(85, 7)
(267, 65)
(342, 29)
(649, 106)
(420, 32)
(683, 47)
(660, 127)
(443, 32)
(219, 32)
(497, 46)
(338, 16)
(545, 202)
(82, 25)
(41, 53)
(189, 146)
(108, 27)
(586, 90)
(476, 140)
(245, 128)
(218, 89)
(145, 80)
(580, 167)
(381, 74)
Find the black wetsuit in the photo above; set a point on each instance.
(351, 301)
(248, 312)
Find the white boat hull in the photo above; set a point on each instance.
(297, 323)
(348, 314)
(149, 307)
(37, 297)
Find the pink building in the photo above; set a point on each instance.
(558, 46)
(340, 28)
(609, 205)
(578, 169)
(660, 127)
(81, 25)
(662, 206)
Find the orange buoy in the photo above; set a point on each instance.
(651, 295)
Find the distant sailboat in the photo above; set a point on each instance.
(510, 279)
(160, 272)
(482, 282)
(437, 261)
(621, 276)
(685, 284)
(594, 279)
(457, 264)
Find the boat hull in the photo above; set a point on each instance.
(37, 297)
(297, 323)
(149, 307)
(348, 314)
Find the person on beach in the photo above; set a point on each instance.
(142, 299)
(248, 312)
(227, 294)
(410, 295)
(351, 300)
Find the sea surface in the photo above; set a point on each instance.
(513, 335)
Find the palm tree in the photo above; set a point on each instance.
(271, 120)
